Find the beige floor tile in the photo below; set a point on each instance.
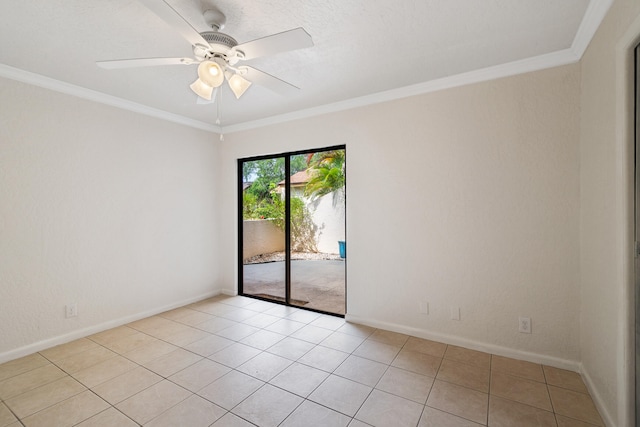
(261, 320)
(68, 412)
(285, 327)
(304, 316)
(22, 365)
(6, 417)
(239, 315)
(126, 385)
(231, 420)
(64, 351)
(85, 359)
(177, 313)
(574, 405)
(194, 318)
(359, 369)
(29, 380)
(358, 423)
(570, 422)
(420, 345)
(216, 324)
(520, 390)
(172, 329)
(44, 396)
(230, 389)
(193, 412)
(264, 366)
(434, 418)
(518, 368)
(237, 331)
(420, 363)
(148, 352)
(329, 322)
(465, 375)
(209, 345)
(262, 339)
(343, 342)
(149, 403)
(470, 357)
(268, 406)
(114, 334)
(104, 371)
(299, 379)
(384, 409)
(507, 413)
(187, 336)
(310, 414)
(109, 418)
(341, 394)
(564, 379)
(312, 334)
(235, 355)
(406, 384)
(388, 337)
(291, 348)
(375, 350)
(127, 343)
(323, 358)
(173, 362)
(199, 375)
(461, 401)
(354, 329)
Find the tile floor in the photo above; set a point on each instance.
(235, 361)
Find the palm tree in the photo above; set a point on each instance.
(327, 173)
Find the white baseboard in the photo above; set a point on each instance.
(597, 399)
(84, 332)
(556, 362)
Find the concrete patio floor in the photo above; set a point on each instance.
(316, 284)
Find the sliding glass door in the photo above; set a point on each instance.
(292, 228)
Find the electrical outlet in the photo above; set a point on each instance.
(423, 307)
(71, 310)
(455, 313)
(524, 325)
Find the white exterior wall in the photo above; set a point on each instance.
(328, 214)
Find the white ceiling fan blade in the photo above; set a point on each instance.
(143, 62)
(202, 101)
(282, 42)
(168, 14)
(268, 81)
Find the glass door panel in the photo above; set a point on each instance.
(317, 224)
(263, 233)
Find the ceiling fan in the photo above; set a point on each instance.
(218, 54)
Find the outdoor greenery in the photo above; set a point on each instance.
(261, 200)
(327, 170)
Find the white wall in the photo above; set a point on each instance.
(470, 197)
(103, 207)
(606, 161)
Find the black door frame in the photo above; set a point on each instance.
(287, 231)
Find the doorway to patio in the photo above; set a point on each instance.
(292, 228)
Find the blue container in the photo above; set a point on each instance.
(343, 248)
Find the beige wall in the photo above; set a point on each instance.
(470, 197)
(261, 237)
(109, 209)
(606, 163)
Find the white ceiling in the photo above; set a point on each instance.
(365, 50)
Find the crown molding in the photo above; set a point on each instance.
(595, 13)
(102, 98)
(550, 60)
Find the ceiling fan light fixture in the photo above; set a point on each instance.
(238, 85)
(211, 73)
(202, 89)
